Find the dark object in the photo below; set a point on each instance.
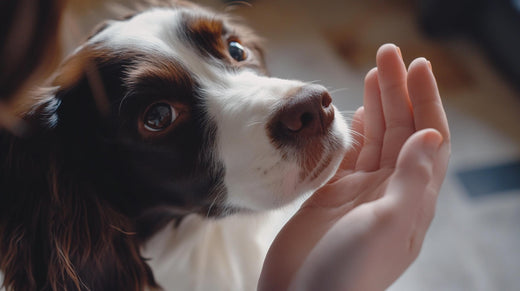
(492, 24)
(490, 180)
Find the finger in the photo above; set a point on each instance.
(414, 169)
(419, 205)
(427, 211)
(356, 130)
(428, 109)
(396, 104)
(374, 125)
(425, 98)
(411, 199)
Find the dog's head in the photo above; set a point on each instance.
(159, 115)
(175, 104)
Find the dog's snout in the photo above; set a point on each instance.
(305, 114)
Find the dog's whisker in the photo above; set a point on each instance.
(356, 133)
(359, 138)
(218, 197)
(211, 206)
(347, 115)
(349, 112)
(338, 90)
(253, 123)
(356, 147)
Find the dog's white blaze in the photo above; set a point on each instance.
(240, 102)
(256, 175)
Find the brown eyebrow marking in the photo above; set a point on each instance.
(167, 76)
(206, 35)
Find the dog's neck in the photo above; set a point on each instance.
(214, 254)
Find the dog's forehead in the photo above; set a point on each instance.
(158, 30)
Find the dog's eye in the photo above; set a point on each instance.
(159, 116)
(237, 51)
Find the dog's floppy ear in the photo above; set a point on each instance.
(85, 104)
(58, 231)
(86, 82)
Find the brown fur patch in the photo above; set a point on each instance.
(206, 35)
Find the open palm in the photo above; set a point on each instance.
(367, 224)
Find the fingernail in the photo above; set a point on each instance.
(399, 51)
(429, 65)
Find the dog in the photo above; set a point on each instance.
(160, 119)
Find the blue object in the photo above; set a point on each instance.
(491, 180)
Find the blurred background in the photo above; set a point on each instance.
(474, 47)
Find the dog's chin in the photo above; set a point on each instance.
(292, 185)
(324, 170)
(317, 177)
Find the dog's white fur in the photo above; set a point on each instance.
(225, 254)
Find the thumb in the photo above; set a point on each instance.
(415, 163)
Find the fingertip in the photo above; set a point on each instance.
(372, 89)
(360, 110)
(371, 75)
(388, 50)
(422, 145)
(372, 83)
(421, 81)
(432, 134)
(421, 64)
(432, 141)
(391, 69)
(387, 47)
(357, 121)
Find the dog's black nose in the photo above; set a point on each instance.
(307, 113)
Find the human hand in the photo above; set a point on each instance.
(366, 226)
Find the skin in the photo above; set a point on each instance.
(364, 228)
